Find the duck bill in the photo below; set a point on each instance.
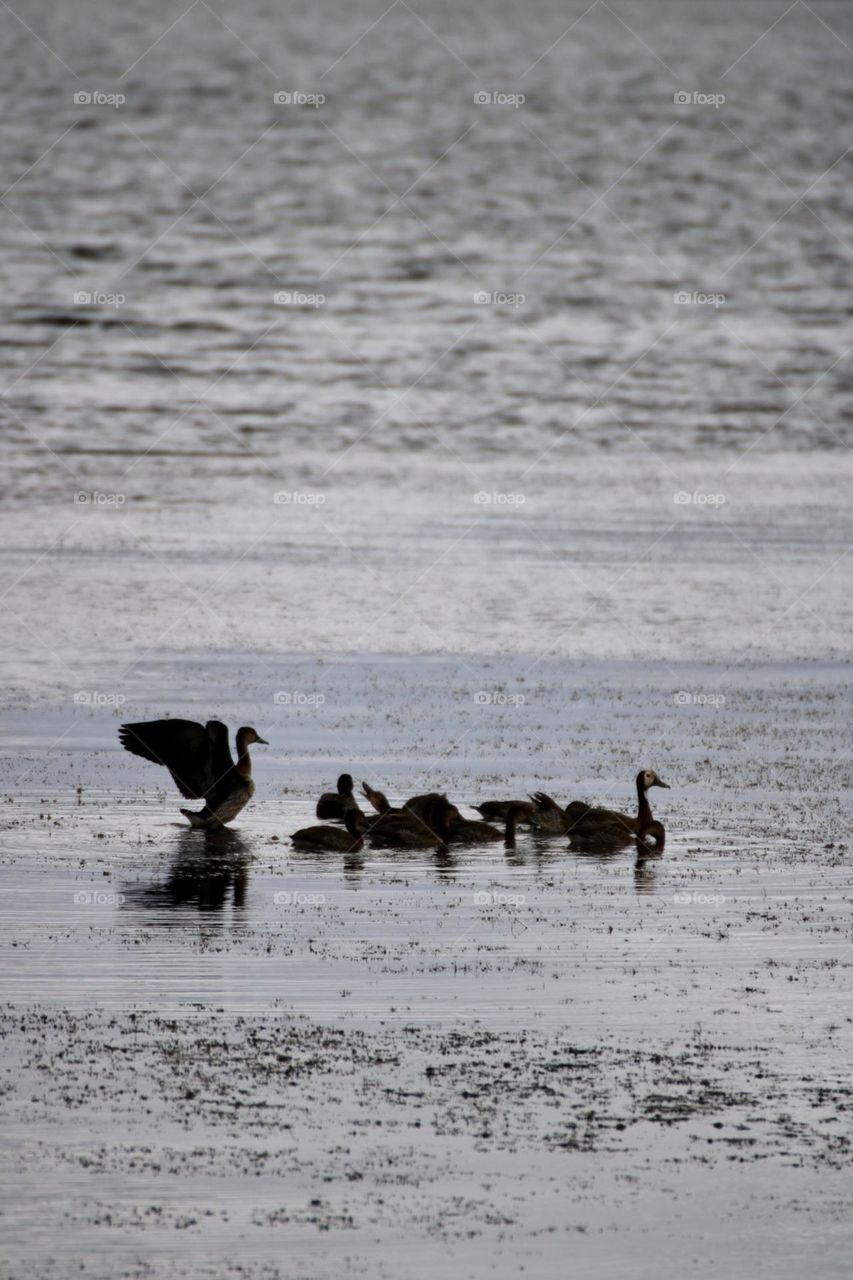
(262, 741)
(660, 783)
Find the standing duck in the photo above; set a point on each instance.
(199, 759)
(607, 824)
(333, 805)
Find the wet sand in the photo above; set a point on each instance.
(227, 1054)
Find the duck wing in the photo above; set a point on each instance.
(185, 748)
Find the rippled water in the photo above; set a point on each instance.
(178, 415)
(478, 445)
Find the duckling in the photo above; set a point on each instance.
(332, 805)
(593, 822)
(333, 838)
(498, 810)
(199, 759)
(409, 830)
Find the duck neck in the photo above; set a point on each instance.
(511, 824)
(244, 760)
(644, 809)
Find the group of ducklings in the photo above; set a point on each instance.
(432, 821)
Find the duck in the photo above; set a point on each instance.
(333, 839)
(429, 827)
(332, 805)
(468, 831)
(199, 759)
(498, 810)
(379, 800)
(592, 823)
(548, 817)
(651, 837)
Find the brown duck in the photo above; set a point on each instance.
(199, 759)
(335, 839)
(593, 823)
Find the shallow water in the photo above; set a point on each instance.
(484, 547)
(254, 1047)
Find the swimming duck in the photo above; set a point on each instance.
(607, 823)
(332, 805)
(334, 839)
(466, 831)
(429, 827)
(199, 759)
(378, 800)
(652, 837)
(548, 818)
(498, 810)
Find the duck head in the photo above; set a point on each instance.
(247, 736)
(648, 778)
(345, 784)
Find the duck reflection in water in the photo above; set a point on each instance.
(206, 867)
